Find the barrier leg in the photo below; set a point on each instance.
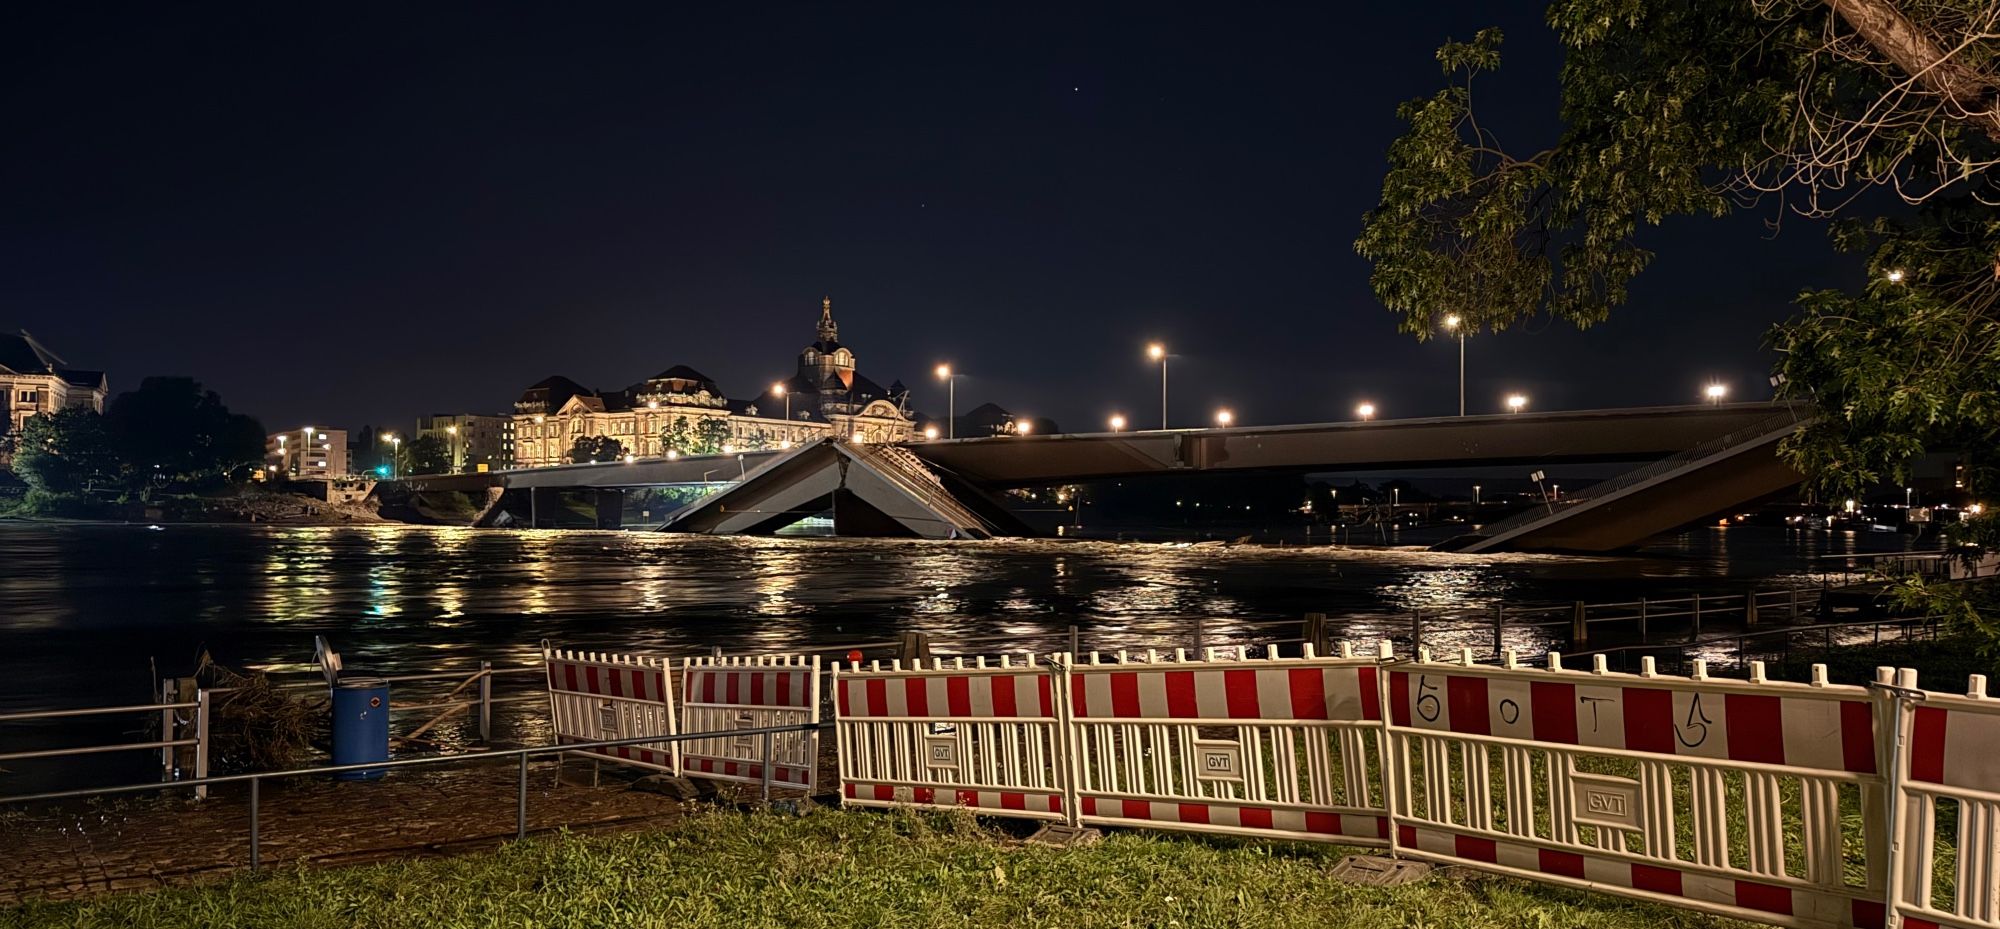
(256, 856)
(201, 742)
(485, 702)
(764, 788)
(521, 803)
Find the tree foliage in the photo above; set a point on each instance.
(1671, 107)
(67, 453)
(705, 437)
(589, 448)
(172, 431)
(427, 454)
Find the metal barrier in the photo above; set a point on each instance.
(597, 697)
(979, 736)
(521, 755)
(172, 724)
(727, 694)
(1947, 771)
(1723, 796)
(1812, 805)
(1276, 747)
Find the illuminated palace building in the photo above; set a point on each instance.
(681, 412)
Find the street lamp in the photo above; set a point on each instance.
(1516, 402)
(1023, 427)
(951, 400)
(1224, 417)
(284, 456)
(1366, 411)
(457, 461)
(1896, 276)
(1158, 353)
(930, 433)
(1715, 393)
(395, 453)
(1451, 324)
(1117, 422)
(1475, 496)
(779, 389)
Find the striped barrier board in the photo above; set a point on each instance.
(1279, 748)
(1638, 784)
(601, 697)
(1949, 771)
(723, 694)
(973, 735)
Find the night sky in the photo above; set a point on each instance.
(345, 214)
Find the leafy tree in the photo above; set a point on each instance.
(427, 454)
(589, 448)
(704, 438)
(172, 431)
(1704, 107)
(711, 435)
(67, 453)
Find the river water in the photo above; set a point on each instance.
(86, 609)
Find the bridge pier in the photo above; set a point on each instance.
(543, 505)
(610, 508)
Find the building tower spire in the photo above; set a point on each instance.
(828, 332)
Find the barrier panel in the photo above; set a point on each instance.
(1278, 747)
(1759, 800)
(602, 697)
(985, 737)
(724, 694)
(1947, 806)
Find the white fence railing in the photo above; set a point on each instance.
(1795, 804)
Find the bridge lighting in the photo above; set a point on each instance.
(1224, 417)
(728, 449)
(1451, 324)
(1366, 411)
(860, 438)
(1516, 402)
(1715, 392)
(1158, 353)
(1896, 276)
(629, 458)
(951, 400)
(788, 443)
(1023, 427)
(1117, 422)
(931, 433)
(673, 453)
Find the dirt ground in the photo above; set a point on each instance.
(148, 841)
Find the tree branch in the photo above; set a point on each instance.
(1883, 26)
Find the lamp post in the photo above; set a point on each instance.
(779, 389)
(1117, 422)
(1475, 497)
(395, 453)
(1366, 411)
(1224, 417)
(457, 460)
(1158, 353)
(951, 400)
(284, 455)
(1715, 393)
(1452, 324)
(1517, 402)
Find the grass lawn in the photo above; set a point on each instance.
(833, 868)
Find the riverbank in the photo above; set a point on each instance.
(835, 868)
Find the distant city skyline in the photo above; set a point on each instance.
(1030, 202)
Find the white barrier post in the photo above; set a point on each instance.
(201, 736)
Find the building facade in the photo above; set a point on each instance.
(307, 454)
(682, 411)
(475, 441)
(35, 380)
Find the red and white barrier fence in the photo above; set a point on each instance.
(1813, 805)
(601, 697)
(723, 694)
(1722, 796)
(1283, 748)
(1949, 771)
(980, 736)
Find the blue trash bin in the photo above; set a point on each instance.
(360, 725)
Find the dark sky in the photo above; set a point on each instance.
(347, 214)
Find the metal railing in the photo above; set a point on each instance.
(167, 744)
(522, 755)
